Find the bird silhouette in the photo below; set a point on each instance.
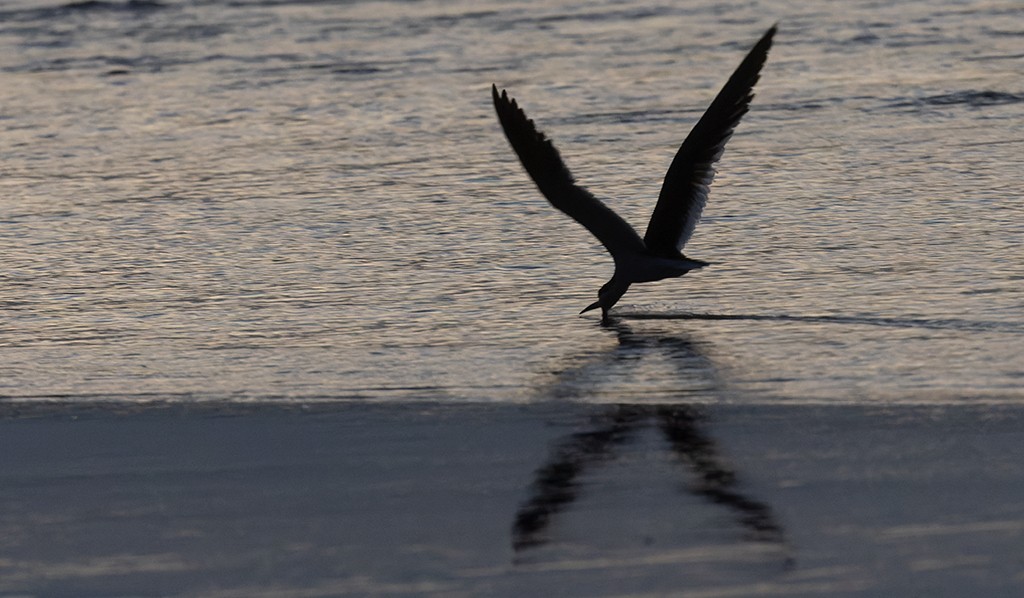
(658, 255)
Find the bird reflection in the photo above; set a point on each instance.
(557, 486)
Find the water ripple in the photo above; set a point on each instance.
(889, 322)
(972, 98)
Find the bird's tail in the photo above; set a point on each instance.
(686, 264)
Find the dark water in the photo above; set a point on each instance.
(310, 200)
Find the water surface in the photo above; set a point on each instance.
(265, 200)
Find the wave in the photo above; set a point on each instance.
(106, 5)
(888, 322)
(972, 98)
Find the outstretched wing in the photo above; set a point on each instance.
(545, 167)
(686, 186)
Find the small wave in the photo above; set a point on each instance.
(107, 65)
(799, 106)
(51, 13)
(107, 5)
(889, 322)
(975, 99)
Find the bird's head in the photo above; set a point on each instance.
(608, 296)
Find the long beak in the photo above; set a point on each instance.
(593, 305)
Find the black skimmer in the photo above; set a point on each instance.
(658, 254)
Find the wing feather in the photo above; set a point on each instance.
(687, 183)
(545, 166)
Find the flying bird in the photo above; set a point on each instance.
(658, 255)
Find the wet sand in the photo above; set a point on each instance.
(552, 499)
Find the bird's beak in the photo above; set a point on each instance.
(593, 305)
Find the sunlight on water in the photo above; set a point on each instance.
(263, 200)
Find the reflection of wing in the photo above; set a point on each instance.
(716, 480)
(686, 186)
(556, 485)
(545, 166)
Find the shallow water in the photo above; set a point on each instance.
(273, 200)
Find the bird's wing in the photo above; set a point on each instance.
(686, 186)
(545, 167)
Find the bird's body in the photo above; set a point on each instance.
(658, 255)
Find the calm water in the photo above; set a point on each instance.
(276, 200)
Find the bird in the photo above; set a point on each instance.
(684, 192)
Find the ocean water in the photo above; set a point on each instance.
(282, 201)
